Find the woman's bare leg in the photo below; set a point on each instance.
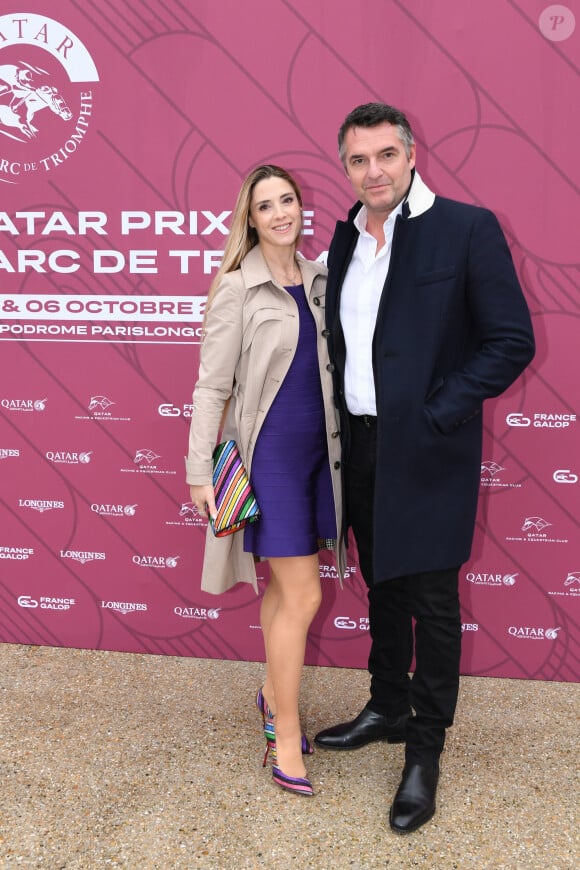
(290, 603)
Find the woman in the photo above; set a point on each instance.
(264, 364)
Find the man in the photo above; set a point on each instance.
(425, 320)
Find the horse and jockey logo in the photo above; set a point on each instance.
(20, 100)
(43, 66)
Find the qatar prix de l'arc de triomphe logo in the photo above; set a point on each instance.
(47, 78)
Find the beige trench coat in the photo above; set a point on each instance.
(251, 335)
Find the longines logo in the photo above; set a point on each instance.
(23, 404)
(491, 476)
(197, 612)
(67, 457)
(541, 420)
(82, 556)
(526, 632)
(98, 406)
(8, 453)
(124, 607)
(535, 528)
(114, 510)
(170, 410)
(495, 580)
(40, 504)
(43, 65)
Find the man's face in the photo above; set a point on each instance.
(378, 167)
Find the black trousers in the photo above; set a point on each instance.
(416, 613)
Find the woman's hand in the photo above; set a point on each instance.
(204, 499)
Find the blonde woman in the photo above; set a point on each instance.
(264, 363)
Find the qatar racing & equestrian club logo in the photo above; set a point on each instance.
(43, 65)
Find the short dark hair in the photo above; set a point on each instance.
(371, 115)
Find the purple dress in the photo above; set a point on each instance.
(290, 468)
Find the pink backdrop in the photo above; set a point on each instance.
(117, 181)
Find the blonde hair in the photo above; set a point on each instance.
(243, 237)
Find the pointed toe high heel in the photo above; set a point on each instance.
(296, 784)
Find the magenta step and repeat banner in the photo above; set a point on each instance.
(125, 130)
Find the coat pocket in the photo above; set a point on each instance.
(438, 275)
(259, 323)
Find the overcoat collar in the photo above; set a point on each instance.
(255, 270)
(419, 200)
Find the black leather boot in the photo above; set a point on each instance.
(414, 802)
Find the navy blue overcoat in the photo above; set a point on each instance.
(452, 330)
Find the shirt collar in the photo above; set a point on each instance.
(361, 218)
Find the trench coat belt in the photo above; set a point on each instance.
(366, 420)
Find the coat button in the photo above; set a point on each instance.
(325, 333)
(334, 434)
(316, 300)
(330, 367)
(337, 464)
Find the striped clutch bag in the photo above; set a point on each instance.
(235, 502)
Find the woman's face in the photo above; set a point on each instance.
(275, 213)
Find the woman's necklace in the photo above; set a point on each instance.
(284, 277)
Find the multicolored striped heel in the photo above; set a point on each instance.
(296, 784)
(267, 717)
(268, 726)
(270, 735)
(263, 708)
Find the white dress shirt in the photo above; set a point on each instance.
(359, 304)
